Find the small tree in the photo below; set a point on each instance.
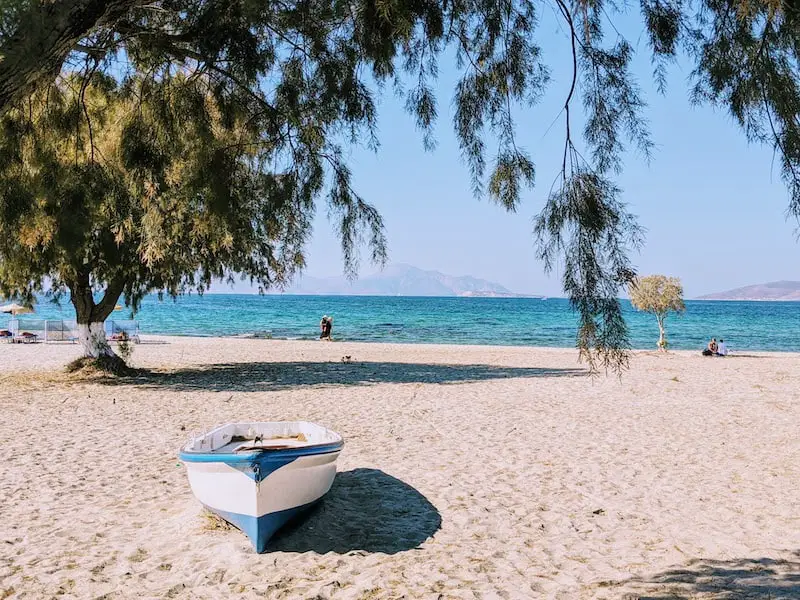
(659, 295)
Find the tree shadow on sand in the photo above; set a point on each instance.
(738, 579)
(366, 510)
(275, 376)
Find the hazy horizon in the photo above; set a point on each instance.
(244, 288)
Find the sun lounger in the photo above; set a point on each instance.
(122, 331)
(26, 337)
(124, 337)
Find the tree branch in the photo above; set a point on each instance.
(46, 34)
(106, 306)
(568, 142)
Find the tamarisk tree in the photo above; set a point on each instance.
(277, 88)
(124, 188)
(658, 295)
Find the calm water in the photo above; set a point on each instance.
(506, 321)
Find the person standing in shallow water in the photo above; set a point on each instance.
(326, 326)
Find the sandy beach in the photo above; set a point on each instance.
(468, 472)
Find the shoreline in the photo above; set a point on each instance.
(160, 340)
(157, 338)
(733, 353)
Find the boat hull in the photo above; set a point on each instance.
(261, 529)
(260, 492)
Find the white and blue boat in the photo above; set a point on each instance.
(258, 476)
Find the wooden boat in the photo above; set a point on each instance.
(258, 476)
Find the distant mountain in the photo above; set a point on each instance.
(776, 290)
(402, 280)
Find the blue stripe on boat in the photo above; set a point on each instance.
(245, 457)
(261, 529)
(261, 466)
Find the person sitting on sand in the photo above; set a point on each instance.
(326, 326)
(711, 349)
(722, 349)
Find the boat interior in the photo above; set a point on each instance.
(249, 437)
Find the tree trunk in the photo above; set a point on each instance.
(91, 316)
(662, 334)
(92, 336)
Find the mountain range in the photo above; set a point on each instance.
(776, 290)
(403, 280)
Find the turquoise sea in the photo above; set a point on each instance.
(505, 321)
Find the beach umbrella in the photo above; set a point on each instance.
(15, 309)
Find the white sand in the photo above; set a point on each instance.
(468, 472)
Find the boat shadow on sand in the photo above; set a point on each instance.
(736, 579)
(273, 376)
(365, 510)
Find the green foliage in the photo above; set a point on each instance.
(657, 294)
(148, 185)
(125, 349)
(245, 107)
(11, 12)
(585, 222)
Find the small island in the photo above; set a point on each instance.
(784, 291)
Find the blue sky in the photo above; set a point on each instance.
(713, 206)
